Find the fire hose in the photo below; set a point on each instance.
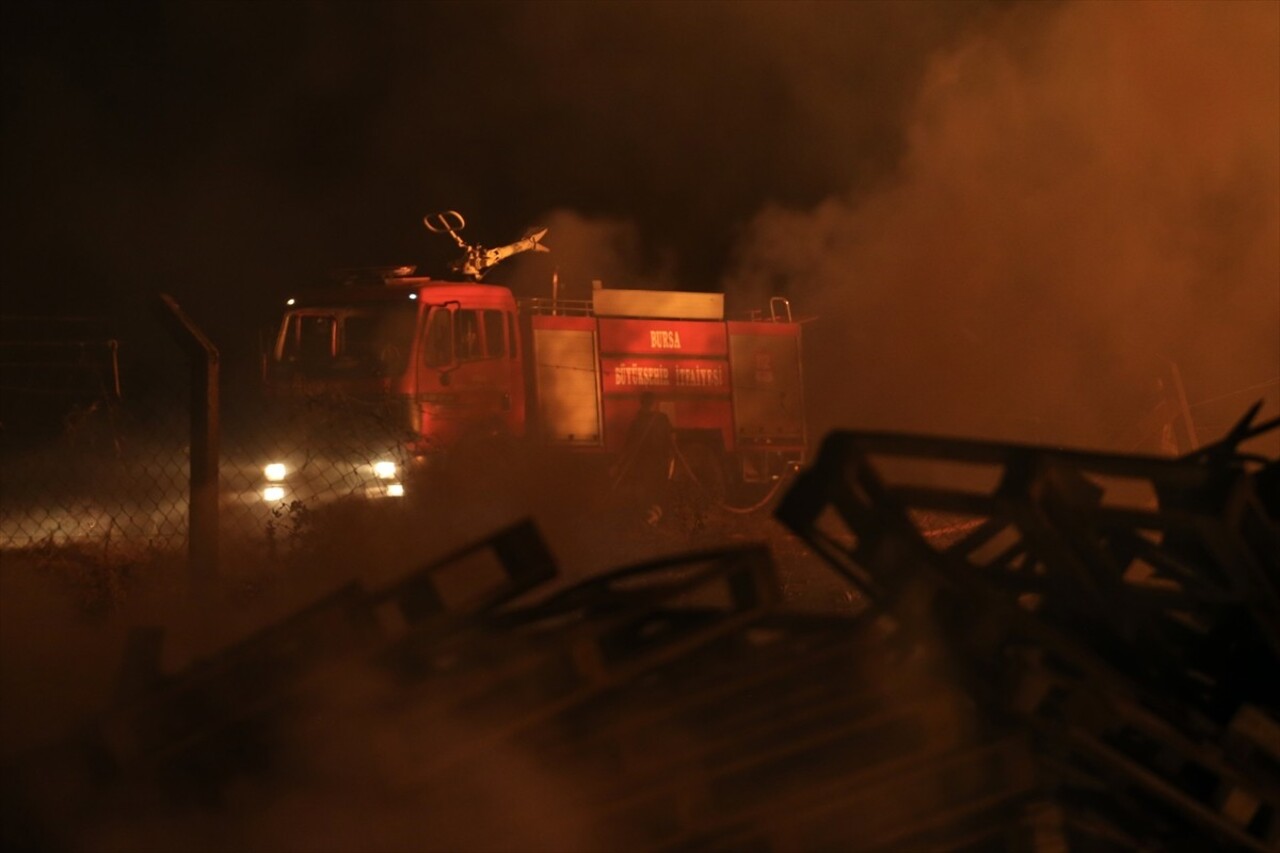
(629, 457)
(755, 507)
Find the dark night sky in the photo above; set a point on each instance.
(1029, 202)
(228, 147)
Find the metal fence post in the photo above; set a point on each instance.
(1188, 441)
(202, 533)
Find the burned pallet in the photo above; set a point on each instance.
(196, 731)
(1082, 648)
(1122, 610)
(681, 703)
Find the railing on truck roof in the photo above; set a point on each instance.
(779, 308)
(779, 311)
(561, 307)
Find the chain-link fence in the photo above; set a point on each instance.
(1178, 418)
(101, 431)
(89, 459)
(285, 461)
(97, 450)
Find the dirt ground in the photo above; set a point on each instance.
(65, 610)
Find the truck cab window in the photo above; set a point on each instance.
(437, 346)
(309, 339)
(359, 335)
(494, 334)
(378, 339)
(394, 336)
(475, 335)
(467, 335)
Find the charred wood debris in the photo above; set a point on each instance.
(1087, 657)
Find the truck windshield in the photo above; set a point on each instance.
(454, 335)
(437, 345)
(368, 338)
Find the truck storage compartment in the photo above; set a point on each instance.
(768, 400)
(567, 387)
(682, 362)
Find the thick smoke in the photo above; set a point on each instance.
(584, 250)
(229, 153)
(1084, 197)
(1028, 211)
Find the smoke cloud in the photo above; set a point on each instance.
(1005, 220)
(583, 250)
(1084, 196)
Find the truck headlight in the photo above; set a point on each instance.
(395, 490)
(384, 470)
(274, 472)
(271, 494)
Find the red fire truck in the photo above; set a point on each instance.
(459, 360)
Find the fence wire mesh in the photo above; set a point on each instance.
(87, 461)
(95, 433)
(95, 430)
(284, 462)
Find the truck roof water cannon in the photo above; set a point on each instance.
(478, 260)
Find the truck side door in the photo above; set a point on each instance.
(483, 377)
(466, 381)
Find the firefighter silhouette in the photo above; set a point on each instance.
(644, 471)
